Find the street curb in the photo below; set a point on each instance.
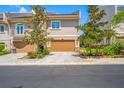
(58, 64)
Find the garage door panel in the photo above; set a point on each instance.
(22, 47)
(63, 45)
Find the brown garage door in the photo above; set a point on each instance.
(63, 45)
(22, 47)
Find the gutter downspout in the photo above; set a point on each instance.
(5, 19)
(77, 41)
(4, 16)
(10, 36)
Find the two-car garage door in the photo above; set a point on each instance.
(62, 45)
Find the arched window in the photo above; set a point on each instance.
(2, 27)
(19, 28)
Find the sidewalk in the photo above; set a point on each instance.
(56, 59)
(40, 62)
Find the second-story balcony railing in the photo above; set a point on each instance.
(18, 37)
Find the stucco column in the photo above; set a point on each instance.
(11, 43)
(77, 45)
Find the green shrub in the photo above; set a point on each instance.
(117, 45)
(2, 46)
(46, 51)
(32, 55)
(118, 56)
(38, 54)
(84, 51)
(4, 52)
(108, 50)
(94, 52)
(42, 53)
(115, 48)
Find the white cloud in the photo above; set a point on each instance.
(22, 9)
(15, 6)
(18, 6)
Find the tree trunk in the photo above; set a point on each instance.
(90, 50)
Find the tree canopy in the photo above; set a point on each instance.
(39, 35)
(95, 30)
(117, 18)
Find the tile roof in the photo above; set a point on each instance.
(27, 14)
(13, 15)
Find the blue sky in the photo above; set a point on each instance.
(69, 9)
(62, 9)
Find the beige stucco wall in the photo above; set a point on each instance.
(5, 34)
(67, 28)
(27, 26)
(5, 38)
(120, 30)
(66, 32)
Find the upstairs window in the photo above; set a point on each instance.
(2, 28)
(55, 24)
(19, 28)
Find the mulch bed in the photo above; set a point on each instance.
(95, 56)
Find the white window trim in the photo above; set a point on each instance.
(16, 28)
(4, 28)
(56, 21)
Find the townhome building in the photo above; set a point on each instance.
(61, 27)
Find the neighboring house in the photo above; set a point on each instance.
(111, 10)
(120, 28)
(61, 28)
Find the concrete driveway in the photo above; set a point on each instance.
(62, 57)
(11, 57)
(53, 57)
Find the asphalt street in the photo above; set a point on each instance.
(85, 76)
